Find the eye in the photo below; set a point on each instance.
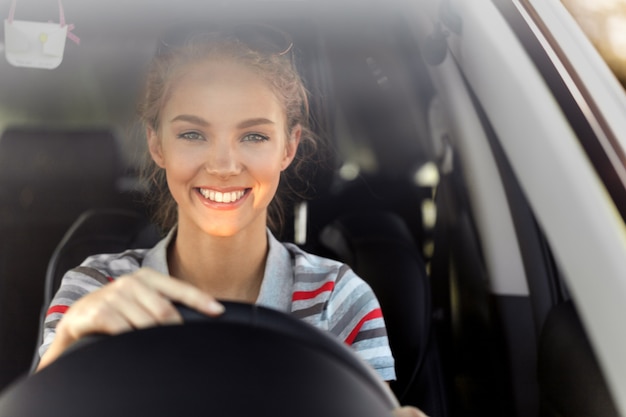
(192, 136)
(255, 137)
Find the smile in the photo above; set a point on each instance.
(219, 197)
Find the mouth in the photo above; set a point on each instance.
(223, 197)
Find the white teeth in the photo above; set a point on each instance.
(221, 197)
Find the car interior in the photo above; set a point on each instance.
(387, 194)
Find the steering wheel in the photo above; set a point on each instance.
(249, 361)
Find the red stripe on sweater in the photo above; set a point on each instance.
(57, 309)
(374, 314)
(307, 295)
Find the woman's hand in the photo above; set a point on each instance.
(136, 301)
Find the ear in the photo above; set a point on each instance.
(154, 146)
(291, 147)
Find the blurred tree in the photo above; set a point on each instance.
(604, 22)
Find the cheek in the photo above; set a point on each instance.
(265, 172)
(266, 165)
(181, 165)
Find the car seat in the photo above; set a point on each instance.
(47, 178)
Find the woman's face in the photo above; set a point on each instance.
(223, 144)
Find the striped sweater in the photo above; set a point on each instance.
(320, 291)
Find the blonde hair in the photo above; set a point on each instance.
(277, 69)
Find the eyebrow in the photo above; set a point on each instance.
(242, 125)
(254, 122)
(191, 119)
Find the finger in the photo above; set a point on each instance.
(92, 316)
(112, 323)
(117, 308)
(181, 291)
(159, 309)
(408, 411)
(141, 305)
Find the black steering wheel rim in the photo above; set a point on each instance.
(249, 361)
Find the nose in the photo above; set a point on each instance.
(222, 160)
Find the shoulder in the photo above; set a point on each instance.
(117, 264)
(311, 271)
(308, 263)
(98, 270)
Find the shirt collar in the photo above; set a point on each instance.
(277, 286)
(156, 258)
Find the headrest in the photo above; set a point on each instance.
(42, 158)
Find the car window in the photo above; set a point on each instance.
(604, 23)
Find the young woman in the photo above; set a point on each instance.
(224, 119)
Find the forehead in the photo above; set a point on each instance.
(223, 86)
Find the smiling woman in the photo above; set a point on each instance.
(272, 80)
(223, 119)
(222, 132)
